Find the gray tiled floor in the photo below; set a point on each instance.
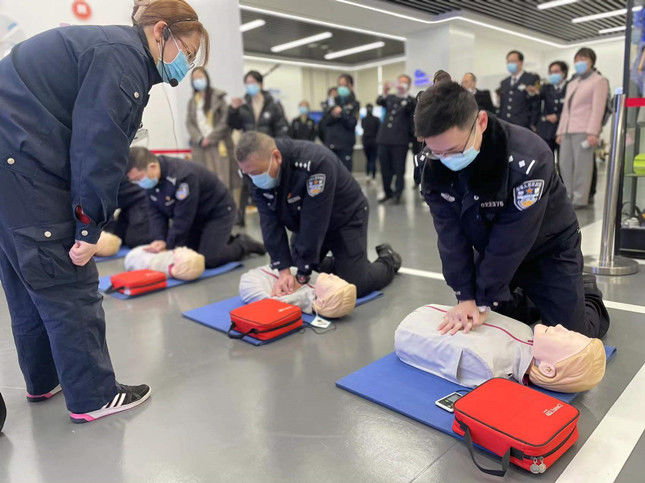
(226, 411)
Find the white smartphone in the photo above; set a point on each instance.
(447, 403)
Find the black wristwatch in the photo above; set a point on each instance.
(302, 279)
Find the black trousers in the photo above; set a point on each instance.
(392, 159)
(132, 226)
(213, 240)
(348, 246)
(346, 157)
(554, 292)
(244, 199)
(371, 153)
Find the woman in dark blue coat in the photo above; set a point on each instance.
(72, 100)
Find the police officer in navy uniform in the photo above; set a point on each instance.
(302, 187)
(338, 125)
(200, 206)
(551, 103)
(72, 100)
(519, 100)
(303, 127)
(394, 137)
(131, 224)
(508, 237)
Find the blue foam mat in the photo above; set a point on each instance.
(104, 282)
(217, 316)
(413, 392)
(123, 251)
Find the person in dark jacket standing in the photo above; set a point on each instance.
(520, 95)
(394, 137)
(508, 237)
(303, 127)
(257, 112)
(339, 122)
(551, 102)
(302, 187)
(201, 208)
(482, 97)
(370, 125)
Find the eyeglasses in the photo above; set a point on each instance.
(434, 155)
(191, 55)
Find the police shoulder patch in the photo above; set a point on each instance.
(528, 193)
(182, 192)
(316, 184)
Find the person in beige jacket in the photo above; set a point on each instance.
(210, 135)
(580, 125)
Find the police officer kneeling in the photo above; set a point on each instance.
(201, 208)
(303, 187)
(508, 236)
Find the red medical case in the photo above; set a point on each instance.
(264, 320)
(137, 282)
(525, 427)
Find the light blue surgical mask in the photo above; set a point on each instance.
(265, 181)
(200, 84)
(512, 67)
(581, 66)
(252, 89)
(459, 161)
(555, 78)
(304, 110)
(343, 91)
(147, 183)
(177, 69)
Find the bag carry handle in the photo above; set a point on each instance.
(505, 461)
(239, 335)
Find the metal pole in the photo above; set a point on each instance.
(608, 263)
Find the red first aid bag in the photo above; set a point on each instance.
(523, 426)
(264, 320)
(137, 282)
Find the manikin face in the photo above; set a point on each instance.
(554, 344)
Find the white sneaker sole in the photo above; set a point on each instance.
(44, 397)
(101, 413)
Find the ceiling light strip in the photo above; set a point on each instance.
(315, 65)
(554, 4)
(253, 24)
(612, 29)
(354, 50)
(303, 41)
(598, 16)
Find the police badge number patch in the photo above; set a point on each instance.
(316, 184)
(182, 192)
(528, 193)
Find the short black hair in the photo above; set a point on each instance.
(441, 76)
(348, 78)
(588, 53)
(443, 106)
(253, 142)
(519, 54)
(563, 66)
(256, 75)
(139, 158)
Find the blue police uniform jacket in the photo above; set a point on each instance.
(315, 195)
(340, 132)
(397, 127)
(71, 102)
(551, 102)
(188, 194)
(507, 208)
(516, 104)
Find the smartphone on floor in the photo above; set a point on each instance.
(447, 403)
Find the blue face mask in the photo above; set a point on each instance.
(303, 110)
(177, 69)
(580, 66)
(343, 91)
(252, 89)
(265, 181)
(555, 78)
(512, 67)
(459, 161)
(200, 84)
(147, 183)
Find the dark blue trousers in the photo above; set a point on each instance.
(56, 310)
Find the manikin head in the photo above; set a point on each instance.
(187, 264)
(566, 361)
(335, 297)
(108, 245)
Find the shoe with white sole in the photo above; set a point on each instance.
(44, 397)
(128, 397)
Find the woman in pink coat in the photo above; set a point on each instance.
(580, 125)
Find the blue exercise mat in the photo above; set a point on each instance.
(413, 392)
(217, 316)
(104, 282)
(123, 251)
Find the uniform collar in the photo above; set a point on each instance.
(155, 77)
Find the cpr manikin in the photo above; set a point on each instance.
(108, 245)
(327, 295)
(553, 357)
(181, 263)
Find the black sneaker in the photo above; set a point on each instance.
(128, 397)
(387, 253)
(251, 245)
(384, 198)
